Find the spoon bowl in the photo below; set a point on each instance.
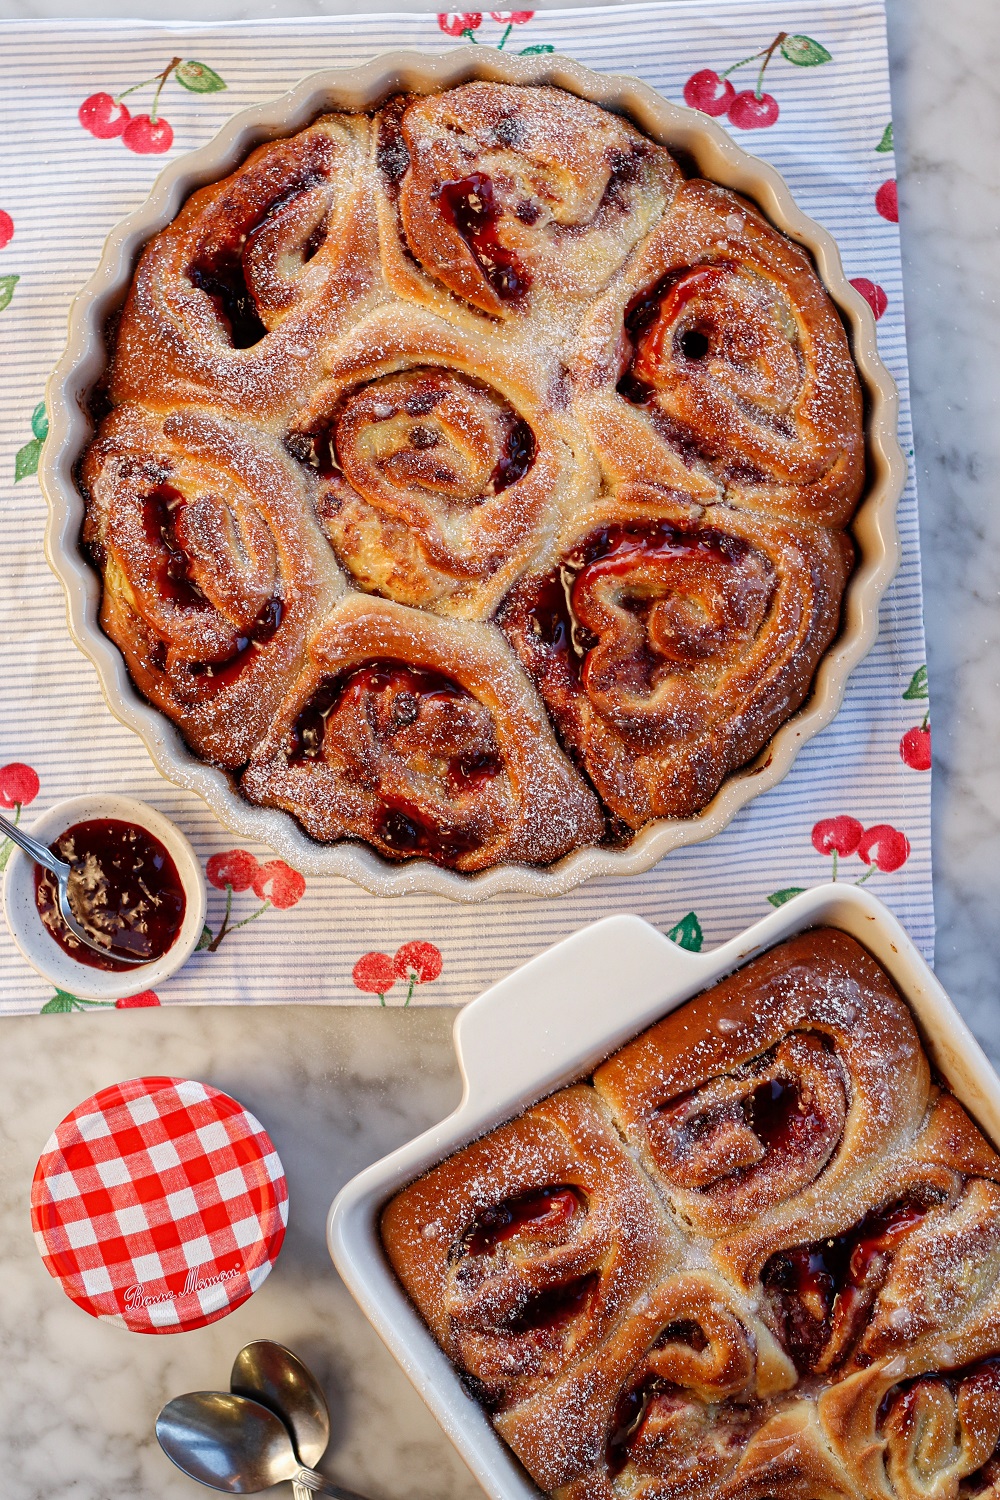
(272, 1375)
(226, 1441)
(236, 1445)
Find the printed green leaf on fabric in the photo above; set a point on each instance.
(804, 52)
(61, 1002)
(206, 937)
(778, 898)
(533, 51)
(26, 460)
(199, 78)
(7, 285)
(687, 933)
(885, 144)
(918, 685)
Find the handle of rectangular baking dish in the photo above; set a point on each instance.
(553, 1018)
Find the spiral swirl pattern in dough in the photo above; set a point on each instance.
(498, 356)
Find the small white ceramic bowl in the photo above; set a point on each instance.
(43, 952)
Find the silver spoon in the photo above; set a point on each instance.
(42, 855)
(234, 1444)
(271, 1374)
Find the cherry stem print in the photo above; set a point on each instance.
(174, 63)
(766, 53)
(158, 78)
(63, 1001)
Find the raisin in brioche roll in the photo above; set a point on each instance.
(214, 569)
(769, 1102)
(671, 641)
(232, 301)
(935, 1436)
(442, 468)
(718, 355)
(421, 736)
(513, 201)
(525, 1248)
(663, 1407)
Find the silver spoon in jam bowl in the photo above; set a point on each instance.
(43, 855)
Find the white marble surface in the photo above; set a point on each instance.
(339, 1088)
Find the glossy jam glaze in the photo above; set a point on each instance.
(470, 204)
(833, 1282)
(125, 891)
(537, 1213)
(552, 618)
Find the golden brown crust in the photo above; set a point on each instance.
(452, 464)
(213, 565)
(669, 648)
(419, 735)
(825, 1322)
(687, 1370)
(716, 358)
(513, 1302)
(437, 313)
(513, 200)
(818, 1018)
(232, 303)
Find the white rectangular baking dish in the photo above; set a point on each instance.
(552, 1021)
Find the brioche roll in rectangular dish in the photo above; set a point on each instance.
(755, 1253)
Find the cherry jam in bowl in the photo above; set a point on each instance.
(137, 887)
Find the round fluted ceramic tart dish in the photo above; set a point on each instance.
(470, 488)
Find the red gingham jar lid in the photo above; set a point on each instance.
(159, 1204)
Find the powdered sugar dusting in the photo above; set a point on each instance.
(723, 1344)
(469, 334)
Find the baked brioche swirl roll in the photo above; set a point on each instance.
(665, 1406)
(232, 302)
(420, 736)
(524, 1250)
(773, 1105)
(213, 569)
(512, 200)
(917, 1266)
(442, 469)
(717, 358)
(670, 640)
(933, 1436)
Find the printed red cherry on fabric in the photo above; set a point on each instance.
(159, 1204)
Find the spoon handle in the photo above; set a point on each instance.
(307, 1482)
(40, 853)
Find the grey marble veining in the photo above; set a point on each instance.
(339, 1088)
(336, 1089)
